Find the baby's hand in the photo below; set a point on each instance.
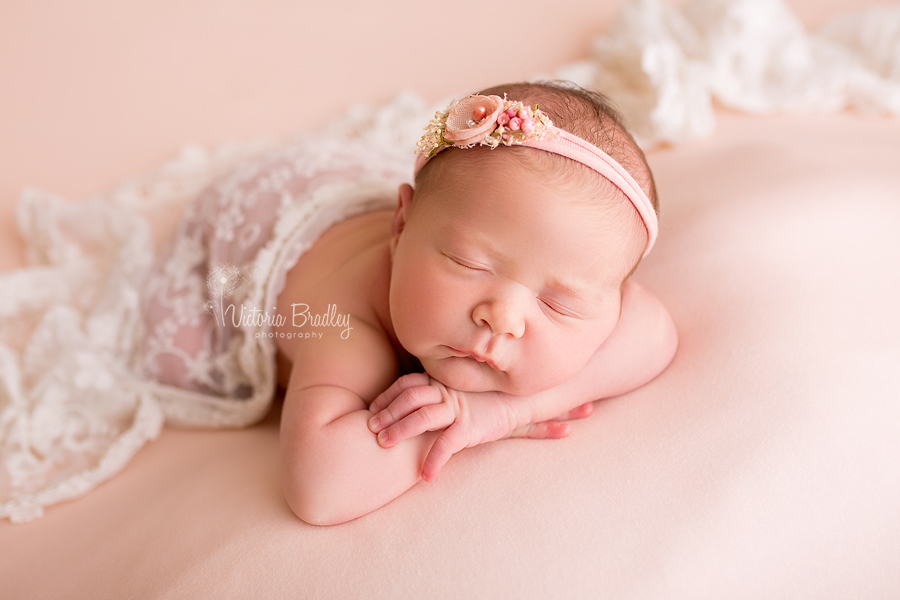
(416, 403)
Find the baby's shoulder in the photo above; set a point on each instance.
(349, 263)
(338, 288)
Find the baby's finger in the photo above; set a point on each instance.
(408, 402)
(403, 383)
(448, 443)
(579, 412)
(547, 430)
(427, 418)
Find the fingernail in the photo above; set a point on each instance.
(383, 436)
(374, 423)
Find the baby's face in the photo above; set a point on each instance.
(502, 282)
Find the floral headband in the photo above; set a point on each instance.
(492, 121)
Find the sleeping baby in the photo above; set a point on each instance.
(492, 300)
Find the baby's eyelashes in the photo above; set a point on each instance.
(571, 309)
(556, 308)
(466, 264)
(551, 306)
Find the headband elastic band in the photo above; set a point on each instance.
(492, 121)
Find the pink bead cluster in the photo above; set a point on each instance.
(514, 119)
(517, 119)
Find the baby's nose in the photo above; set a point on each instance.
(505, 315)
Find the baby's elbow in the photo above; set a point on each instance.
(315, 509)
(666, 340)
(658, 335)
(318, 486)
(310, 497)
(302, 503)
(310, 511)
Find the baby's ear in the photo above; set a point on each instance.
(404, 201)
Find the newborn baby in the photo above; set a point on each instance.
(490, 299)
(500, 285)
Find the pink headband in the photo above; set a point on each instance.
(492, 120)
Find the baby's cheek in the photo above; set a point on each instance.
(413, 304)
(559, 362)
(540, 374)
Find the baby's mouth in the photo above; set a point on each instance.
(474, 356)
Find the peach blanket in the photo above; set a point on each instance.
(764, 463)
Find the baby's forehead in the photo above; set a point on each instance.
(596, 221)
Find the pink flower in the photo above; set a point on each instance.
(515, 123)
(502, 118)
(462, 130)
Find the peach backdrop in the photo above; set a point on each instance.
(95, 91)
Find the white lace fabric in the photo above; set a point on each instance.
(664, 64)
(96, 329)
(101, 342)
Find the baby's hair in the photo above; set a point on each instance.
(591, 116)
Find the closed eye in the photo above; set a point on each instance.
(578, 312)
(556, 308)
(465, 264)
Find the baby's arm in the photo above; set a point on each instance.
(641, 346)
(333, 469)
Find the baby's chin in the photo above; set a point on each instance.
(483, 379)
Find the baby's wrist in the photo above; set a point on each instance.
(521, 410)
(516, 408)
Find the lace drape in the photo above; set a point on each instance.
(92, 333)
